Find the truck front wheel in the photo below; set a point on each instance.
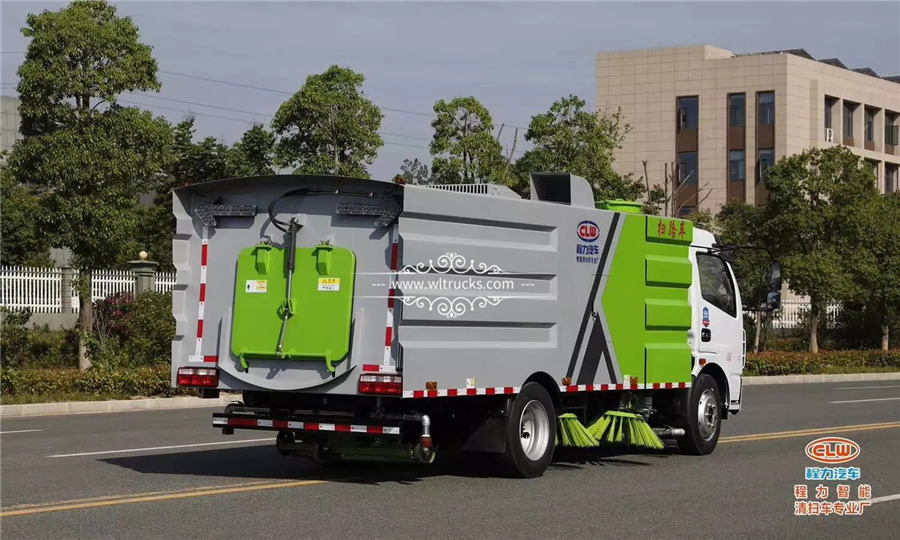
(704, 417)
(530, 433)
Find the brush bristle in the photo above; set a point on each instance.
(572, 433)
(629, 429)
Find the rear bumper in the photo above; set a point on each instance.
(265, 422)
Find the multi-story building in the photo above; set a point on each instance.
(722, 118)
(9, 122)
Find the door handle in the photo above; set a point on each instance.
(705, 334)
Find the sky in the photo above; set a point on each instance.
(517, 58)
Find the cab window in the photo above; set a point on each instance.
(716, 286)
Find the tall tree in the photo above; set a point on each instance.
(328, 126)
(23, 240)
(414, 172)
(464, 149)
(573, 139)
(874, 248)
(741, 224)
(87, 155)
(808, 216)
(253, 154)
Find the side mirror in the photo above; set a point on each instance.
(773, 286)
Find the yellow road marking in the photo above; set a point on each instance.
(807, 432)
(115, 500)
(120, 496)
(131, 499)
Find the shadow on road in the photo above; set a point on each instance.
(263, 462)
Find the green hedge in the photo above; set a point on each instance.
(97, 381)
(798, 363)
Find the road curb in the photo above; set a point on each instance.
(117, 405)
(189, 402)
(803, 379)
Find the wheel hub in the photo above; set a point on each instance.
(707, 414)
(534, 429)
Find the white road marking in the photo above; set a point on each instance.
(20, 431)
(886, 498)
(866, 387)
(127, 450)
(866, 400)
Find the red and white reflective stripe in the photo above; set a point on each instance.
(666, 386)
(377, 368)
(204, 260)
(305, 426)
(502, 390)
(389, 323)
(454, 392)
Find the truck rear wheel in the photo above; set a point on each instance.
(704, 417)
(530, 433)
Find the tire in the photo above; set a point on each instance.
(530, 434)
(704, 417)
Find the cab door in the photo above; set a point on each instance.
(721, 332)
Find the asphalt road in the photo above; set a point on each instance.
(167, 474)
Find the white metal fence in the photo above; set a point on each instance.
(40, 289)
(791, 314)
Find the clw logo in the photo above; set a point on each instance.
(832, 450)
(588, 231)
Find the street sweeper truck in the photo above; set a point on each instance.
(362, 320)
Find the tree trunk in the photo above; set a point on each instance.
(814, 328)
(756, 335)
(85, 318)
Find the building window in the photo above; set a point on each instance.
(891, 135)
(685, 212)
(848, 119)
(736, 165)
(890, 178)
(688, 112)
(766, 159)
(687, 167)
(870, 125)
(829, 103)
(766, 107)
(736, 110)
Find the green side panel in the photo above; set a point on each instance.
(668, 271)
(321, 304)
(667, 315)
(646, 299)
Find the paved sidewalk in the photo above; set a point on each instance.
(83, 407)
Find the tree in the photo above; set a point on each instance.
(666, 199)
(572, 139)
(24, 242)
(415, 172)
(253, 154)
(874, 248)
(87, 156)
(463, 147)
(191, 162)
(328, 126)
(813, 197)
(740, 224)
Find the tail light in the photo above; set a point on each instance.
(389, 385)
(191, 376)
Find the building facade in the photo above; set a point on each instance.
(9, 122)
(720, 118)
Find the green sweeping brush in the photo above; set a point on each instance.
(572, 433)
(621, 427)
